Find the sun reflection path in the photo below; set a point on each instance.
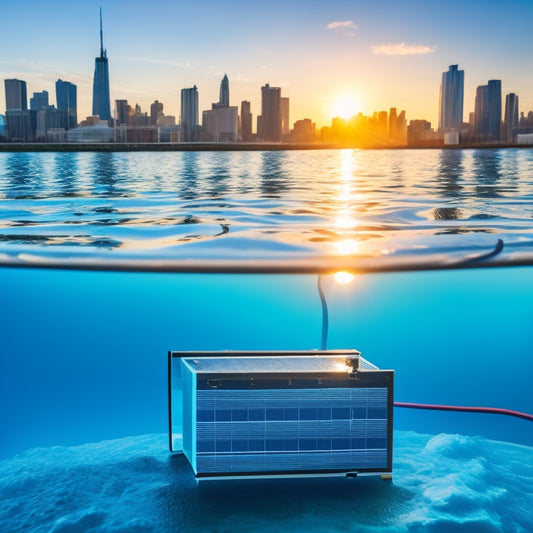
(345, 222)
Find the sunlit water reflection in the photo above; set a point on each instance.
(296, 203)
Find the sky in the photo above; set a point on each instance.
(330, 58)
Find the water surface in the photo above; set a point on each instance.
(264, 205)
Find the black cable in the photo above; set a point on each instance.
(325, 318)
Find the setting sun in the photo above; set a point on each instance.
(345, 106)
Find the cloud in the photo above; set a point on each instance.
(403, 49)
(341, 24)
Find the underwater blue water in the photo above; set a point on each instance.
(83, 397)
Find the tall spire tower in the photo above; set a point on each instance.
(101, 99)
(224, 94)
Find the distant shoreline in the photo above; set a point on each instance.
(224, 147)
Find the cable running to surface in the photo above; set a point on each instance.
(325, 318)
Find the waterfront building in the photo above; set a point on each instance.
(20, 125)
(511, 116)
(138, 118)
(2, 128)
(525, 139)
(221, 124)
(451, 100)
(269, 122)
(488, 112)
(16, 95)
(156, 111)
(166, 121)
(189, 114)
(383, 121)
(50, 119)
(20, 121)
(397, 127)
(91, 130)
(101, 99)
(420, 133)
(304, 131)
(142, 134)
(38, 101)
(66, 98)
(285, 124)
(246, 121)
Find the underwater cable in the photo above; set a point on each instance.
(408, 405)
(325, 318)
(464, 409)
(495, 251)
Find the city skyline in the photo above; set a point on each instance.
(373, 58)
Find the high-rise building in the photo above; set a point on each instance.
(285, 124)
(511, 116)
(16, 95)
(221, 124)
(397, 127)
(122, 112)
(488, 111)
(451, 100)
(189, 114)
(495, 108)
(246, 121)
(480, 111)
(66, 98)
(138, 117)
(20, 121)
(269, 123)
(156, 111)
(50, 121)
(39, 100)
(101, 99)
(223, 100)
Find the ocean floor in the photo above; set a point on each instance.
(441, 483)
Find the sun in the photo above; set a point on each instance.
(345, 106)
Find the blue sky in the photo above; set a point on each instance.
(378, 54)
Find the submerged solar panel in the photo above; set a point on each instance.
(280, 413)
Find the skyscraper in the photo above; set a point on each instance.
(224, 94)
(269, 123)
(16, 95)
(156, 111)
(189, 113)
(246, 121)
(101, 99)
(122, 110)
(39, 100)
(495, 109)
(511, 116)
(19, 124)
(488, 111)
(285, 124)
(66, 98)
(451, 100)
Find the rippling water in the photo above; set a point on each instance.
(296, 204)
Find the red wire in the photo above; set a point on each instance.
(491, 410)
